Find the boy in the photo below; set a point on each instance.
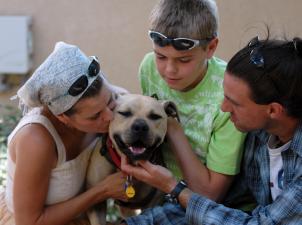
(182, 68)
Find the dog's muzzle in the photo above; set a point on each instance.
(139, 143)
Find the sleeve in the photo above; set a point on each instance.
(225, 147)
(144, 73)
(286, 209)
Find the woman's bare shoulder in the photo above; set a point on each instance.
(35, 141)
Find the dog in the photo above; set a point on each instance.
(137, 130)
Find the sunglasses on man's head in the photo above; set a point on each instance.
(256, 58)
(82, 82)
(298, 46)
(178, 43)
(255, 55)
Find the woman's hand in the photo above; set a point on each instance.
(114, 186)
(154, 175)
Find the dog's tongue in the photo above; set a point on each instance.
(137, 150)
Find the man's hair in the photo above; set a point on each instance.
(273, 71)
(196, 19)
(93, 90)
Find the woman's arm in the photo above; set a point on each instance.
(35, 156)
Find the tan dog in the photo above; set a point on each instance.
(137, 130)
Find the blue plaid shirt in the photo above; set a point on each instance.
(254, 178)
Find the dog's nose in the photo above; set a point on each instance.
(140, 127)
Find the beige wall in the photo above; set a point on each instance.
(116, 30)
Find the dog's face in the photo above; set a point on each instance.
(139, 125)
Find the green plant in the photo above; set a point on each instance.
(9, 117)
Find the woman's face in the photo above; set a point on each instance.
(93, 114)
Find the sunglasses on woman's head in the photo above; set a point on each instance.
(180, 44)
(82, 82)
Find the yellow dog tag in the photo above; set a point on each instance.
(130, 192)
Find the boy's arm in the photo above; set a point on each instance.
(200, 178)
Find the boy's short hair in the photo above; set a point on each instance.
(196, 19)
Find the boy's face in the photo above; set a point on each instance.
(245, 113)
(182, 70)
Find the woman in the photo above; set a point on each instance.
(66, 102)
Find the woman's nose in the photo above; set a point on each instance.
(107, 114)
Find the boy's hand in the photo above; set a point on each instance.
(173, 126)
(154, 175)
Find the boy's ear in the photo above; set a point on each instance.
(211, 48)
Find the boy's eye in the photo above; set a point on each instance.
(160, 56)
(184, 60)
(154, 116)
(125, 113)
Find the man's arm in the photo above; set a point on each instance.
(286, 209)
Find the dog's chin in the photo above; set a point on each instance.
(136, 150)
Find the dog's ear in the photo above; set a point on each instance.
(117, 96)
(154, 96)
(171, 109)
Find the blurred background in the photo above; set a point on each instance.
(116, 32)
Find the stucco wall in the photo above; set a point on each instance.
(116, 30)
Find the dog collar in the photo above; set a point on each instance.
(113, 153)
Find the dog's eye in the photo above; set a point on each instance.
(125, 113)
(154, 116)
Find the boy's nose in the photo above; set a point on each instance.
(171, 67)
(225, 107)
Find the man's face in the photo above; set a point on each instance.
(245, 113)
(182, 70)
(93, 114)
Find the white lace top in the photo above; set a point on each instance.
(67, 179)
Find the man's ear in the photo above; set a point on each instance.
(276, 110)
(211, 48)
